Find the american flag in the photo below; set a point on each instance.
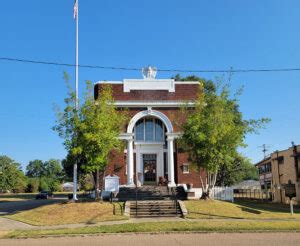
(75, 9)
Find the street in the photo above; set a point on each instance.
(208, 239)
(18, 206)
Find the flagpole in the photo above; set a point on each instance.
(76, 97)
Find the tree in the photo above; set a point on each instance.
(213, 132)
(12, 177)
(53, 169)
(45, 175)
(92, 131)
(32, 185)
(240, 170)
(35, 169)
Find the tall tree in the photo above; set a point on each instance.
(214, 131)
(12, 177)
(35, 169)
(241, 169)
(91, 133)
(53, 169)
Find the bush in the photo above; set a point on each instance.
(32, 185)
(43, 185)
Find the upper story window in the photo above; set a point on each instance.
(149, 130)
(280, 160)
(265, 168)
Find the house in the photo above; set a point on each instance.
(152, 155)
(68, 186)
(278, 169)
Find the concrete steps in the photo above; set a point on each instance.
(149, 193)
(158, 208)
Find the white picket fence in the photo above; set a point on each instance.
(222, 193)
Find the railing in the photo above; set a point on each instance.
(253, 194)
(136, 200)
(174, 196)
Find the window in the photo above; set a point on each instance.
(280, 160)
(268, 167)
(139, 130)
(185, 168)
(149, 130)
(159, 131)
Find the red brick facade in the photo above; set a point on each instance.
(183, 92)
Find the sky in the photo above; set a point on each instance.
(169, 34)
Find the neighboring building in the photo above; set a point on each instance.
(68, 186)
(152, 153)
(284, 167)
(248, 185)
(265, 173)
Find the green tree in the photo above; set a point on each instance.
(241, 169)
(35, 169)
(32, 185)
(53, 169)
(12, 177)
(48, 175)
(91, 133)
(215, 130)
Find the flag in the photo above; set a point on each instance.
(75, 9)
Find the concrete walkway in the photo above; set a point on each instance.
(184, 239)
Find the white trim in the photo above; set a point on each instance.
(160, 104)
(153, 113)
(122, 82)
(187, 82)
(173, 135)
(188, 168)
(148, 84)
(108, 82)
(126, 136)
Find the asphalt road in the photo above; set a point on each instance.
(18, 206)
(207, 239)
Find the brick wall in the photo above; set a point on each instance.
(182, 92)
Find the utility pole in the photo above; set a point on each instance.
(264, 149)
(76, 93)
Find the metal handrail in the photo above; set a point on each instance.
(136, 198)
(174, 195)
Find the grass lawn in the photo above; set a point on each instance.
(199, 226)
(241, 210)
(71, 213)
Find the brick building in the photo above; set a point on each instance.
(152, 153)
(265, 173)
(276, 170)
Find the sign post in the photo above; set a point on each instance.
(290, 192)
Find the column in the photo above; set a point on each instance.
(171, 174)
(130, 162)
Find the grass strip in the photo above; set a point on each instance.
(160, 227)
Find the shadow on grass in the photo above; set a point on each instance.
(13, 207)
(265, 206)
(217, 215)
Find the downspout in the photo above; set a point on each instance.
(279, 177)
(295, 155)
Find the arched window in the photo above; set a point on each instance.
(149, 130)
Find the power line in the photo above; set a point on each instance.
(160, 70)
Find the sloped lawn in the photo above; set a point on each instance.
(71, 213)
(210, 209)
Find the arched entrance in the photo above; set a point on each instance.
(150, 137)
